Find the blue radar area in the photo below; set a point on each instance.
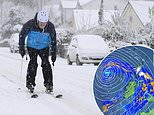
(124, 82)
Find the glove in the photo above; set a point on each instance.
(53, 57)
(53, 64)
(22, 51)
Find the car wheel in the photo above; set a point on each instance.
(78, 61)
(69, 61)
(96, 64)
(11, 51)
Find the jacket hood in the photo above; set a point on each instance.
(35, 17)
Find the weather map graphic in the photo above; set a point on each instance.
(124, 82)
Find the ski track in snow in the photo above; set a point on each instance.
(74, 82)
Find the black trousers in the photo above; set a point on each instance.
(32, 67)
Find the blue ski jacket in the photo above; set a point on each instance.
(38, 38)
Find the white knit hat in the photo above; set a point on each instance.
(42, 16)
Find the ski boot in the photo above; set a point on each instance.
(30, 88)
(49, 89)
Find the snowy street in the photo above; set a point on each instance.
(74, 82)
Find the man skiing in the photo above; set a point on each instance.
(41, 36)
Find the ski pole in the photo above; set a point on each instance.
(26, 54)
(56, 95)
(20, 74)
(53, 68)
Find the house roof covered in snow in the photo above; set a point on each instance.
(141, 8)
(68, 4)
(73, 3)
(111, 4)
(82, 2)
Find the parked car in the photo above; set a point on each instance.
(87, 49)
(62, 49)
(14, 43)
(63, 39)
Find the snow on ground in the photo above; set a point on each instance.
(74, 82)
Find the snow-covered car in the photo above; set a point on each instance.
(62, 49)
(14, 43)
(87, 49)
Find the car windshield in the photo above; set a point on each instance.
(91, 42)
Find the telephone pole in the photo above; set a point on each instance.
(100, 14)
(153, 20)
(41, 4)
(1, 13)
(151, 12)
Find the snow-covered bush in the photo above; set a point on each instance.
(64, 36)
(15, 19)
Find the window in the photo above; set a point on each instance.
(130, 19)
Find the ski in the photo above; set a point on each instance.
(54, 95)
(34, 95)
(59, 96)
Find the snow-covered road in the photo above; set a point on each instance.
(74, 82)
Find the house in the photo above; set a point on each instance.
(87, 19)
(66, 9)
(91, 4)
(83, 14)
(83, 2)
(136, 14)
(115, 4)
(107, 4)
